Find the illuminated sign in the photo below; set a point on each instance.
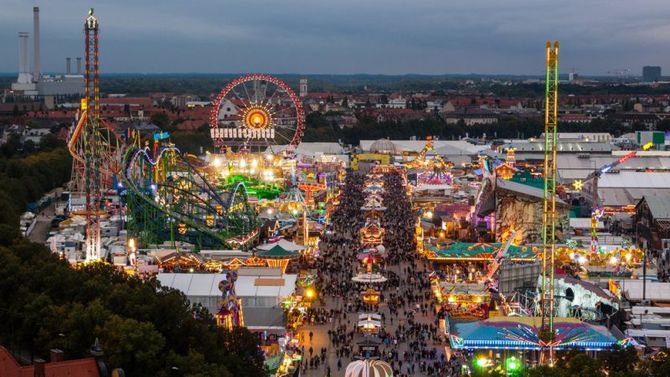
(242, 133)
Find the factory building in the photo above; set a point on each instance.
(36, 84)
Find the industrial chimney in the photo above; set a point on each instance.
(24, 71)
(36, 43)
(68, 66)
(79, 65)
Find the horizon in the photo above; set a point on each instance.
(409, 74)
(347, 38)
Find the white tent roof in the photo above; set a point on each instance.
(441, 147)
(634, 179)
(426, 187)
(288, 245)
(584, 223)
(245, 286)
(313, 148)
(656, 291)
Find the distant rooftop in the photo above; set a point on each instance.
(537, 145)
(659, 206)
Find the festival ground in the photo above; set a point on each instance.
(410, 340)
(393, 324)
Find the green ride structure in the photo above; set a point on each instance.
(254, 186)
(169, 199)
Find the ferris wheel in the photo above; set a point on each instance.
(256, 112)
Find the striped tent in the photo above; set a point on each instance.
(368, 368)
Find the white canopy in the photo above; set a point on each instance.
(284, 244)
(368, 278)
(374, 316)
(368, 323)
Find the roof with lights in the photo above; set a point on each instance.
(522, 333)
(468, 250)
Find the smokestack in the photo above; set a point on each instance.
(68, 66)
(24, 71)
(79, 65)
(36, 43)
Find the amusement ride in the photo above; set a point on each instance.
(257, 121)
(549, 223)
(256, 112)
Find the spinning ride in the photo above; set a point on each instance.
(256, 112)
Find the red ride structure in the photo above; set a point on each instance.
(93, 146)
(256, 111)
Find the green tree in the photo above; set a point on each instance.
(622, 359)
(162, 120)
(142, 327)
(544, 371)
(132, 344)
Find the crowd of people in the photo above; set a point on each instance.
(409, 339)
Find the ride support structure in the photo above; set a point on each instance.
(93, 145)
(168, 198)
(547, 333)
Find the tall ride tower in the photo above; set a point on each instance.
(94, 146)
(92, 154)
(550, 217)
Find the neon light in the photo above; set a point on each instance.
(161, 135)
(627, 157)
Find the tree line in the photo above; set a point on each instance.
(25, 175)
(143, 328)
(324, 127)
(622, 362)
(146, 329)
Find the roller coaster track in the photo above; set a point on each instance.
(111, 148)
(199, 186)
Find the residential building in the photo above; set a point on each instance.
(471, 118)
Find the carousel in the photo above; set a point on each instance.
(277, 256)
(370, 257)
(368, 368)
(369, 278)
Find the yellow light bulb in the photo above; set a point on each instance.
(257, 119)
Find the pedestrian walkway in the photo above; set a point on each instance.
(409, 340)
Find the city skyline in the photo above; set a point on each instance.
(346, 38)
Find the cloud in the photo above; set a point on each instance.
(348, 36)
